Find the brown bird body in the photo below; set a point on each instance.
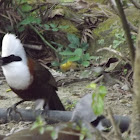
(26, 77)
(43, 86)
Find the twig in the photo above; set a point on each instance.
(137, 5)
(115, 126)
(98, 79)
(113, 51)
(34, 47)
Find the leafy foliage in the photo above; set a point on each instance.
(32, 16)
(119, 39)
(75, 52)
(39, 123)
(98, 96)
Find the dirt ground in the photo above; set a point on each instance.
(118, 99)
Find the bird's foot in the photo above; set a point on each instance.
(12, 113)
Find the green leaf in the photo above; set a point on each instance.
(92, 85)
(55, 29)
(72, 46)
(86, 56)
(101, 42)
(93, 57)
(84, 46)
(85, 63)
(74, 58)
(29, 20)
(73, 39)
(47, 27)
(67, 52)
(38, 123)
(98, 105)
(26, 8)
(41, 130)
(102, 91)
(78, 52)
(54, 135)
(64, 61)
(53, 25)
(49, 128)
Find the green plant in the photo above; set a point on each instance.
(125, 71)
(101, 42)
(120, 39)
(33, 17)
(98, 96)
(75, 52)
(70, 106)
(39, 123)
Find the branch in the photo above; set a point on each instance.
(31, 115)
(53, 116)
(137, 5)
(132, 27)
(115, 125)
(127, 31)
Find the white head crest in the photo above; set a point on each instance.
(17, 72)
(12, 45)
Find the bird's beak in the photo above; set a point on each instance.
(1, 61)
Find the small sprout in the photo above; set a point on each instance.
(38, 123)
(92, 86)
(8, 90)
(125, 71)
(54, 135)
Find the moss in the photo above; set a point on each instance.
(63, 22)
(68, 12)
(98, 1)
(133, 15)
(108, 27)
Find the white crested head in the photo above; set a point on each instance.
(12, 45)
(17, 73)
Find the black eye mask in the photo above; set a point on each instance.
(9, 59)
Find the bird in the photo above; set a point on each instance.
(27, 77)
(83, 111)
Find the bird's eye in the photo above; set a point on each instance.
(12, 55)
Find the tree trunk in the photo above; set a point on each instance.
(135, 135)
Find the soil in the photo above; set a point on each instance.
(117, 98)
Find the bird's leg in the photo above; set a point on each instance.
(13, 108)
(45, 109)
(41, 104)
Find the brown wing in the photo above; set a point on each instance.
(41, 72)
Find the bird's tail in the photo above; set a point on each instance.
(55, 103)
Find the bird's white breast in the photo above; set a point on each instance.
(17, 75)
